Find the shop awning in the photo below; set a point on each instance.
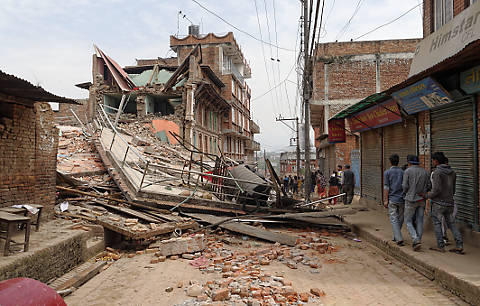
(361, 105)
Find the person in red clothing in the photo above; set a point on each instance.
(321, 185)
(333, 189)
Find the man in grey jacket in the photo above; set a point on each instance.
(415, 184)
(443, 190)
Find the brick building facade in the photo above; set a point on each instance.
(28, 144)
(437, 109)
(202, 90)
(224, 56)
(345, 73)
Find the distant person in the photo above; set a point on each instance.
(285, 184)
(321, 185)
(441, 196)
(295, 185)
(334, 183)
(415, 184)
(395, 203)
(348, 185)
(290, 183)
(313, 181)
(300, 184)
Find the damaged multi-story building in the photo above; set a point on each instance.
(202, 90)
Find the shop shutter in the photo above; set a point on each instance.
(401, 139)
(453, 134)
(371, 166)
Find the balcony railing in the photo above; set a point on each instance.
(253, 145)
(254, 128)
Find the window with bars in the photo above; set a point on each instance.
(443, 12)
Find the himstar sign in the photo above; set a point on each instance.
(448, 40)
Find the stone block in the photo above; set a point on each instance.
(181, 245)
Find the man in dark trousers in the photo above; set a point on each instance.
(395, 203)
(348, 185)
(415, 184)
(441, 196)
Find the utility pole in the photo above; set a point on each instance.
(306, 98)
(297, 141)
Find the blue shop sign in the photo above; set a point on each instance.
(470, 80)
(423, 95)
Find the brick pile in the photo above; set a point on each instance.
(241, 276)
(76, 154)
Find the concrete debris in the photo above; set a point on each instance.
(181, 245)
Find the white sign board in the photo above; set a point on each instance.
(448, 40)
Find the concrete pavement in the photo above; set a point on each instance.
(458, 273)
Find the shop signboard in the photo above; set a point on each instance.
(336, 131)
(448, 40)
(423, 95)
(377, 116)
(470, 80)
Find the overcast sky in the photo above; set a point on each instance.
(49, 42)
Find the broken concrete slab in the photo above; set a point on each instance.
(180, 245)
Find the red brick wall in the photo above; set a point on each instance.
(428, 18)
(28, 148)
(351, 78)
(65, 117)
(343, 150)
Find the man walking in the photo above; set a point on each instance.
(393, 178)
(415, 184)
(443, 190)
(348, 185)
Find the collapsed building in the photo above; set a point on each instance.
(202, 91)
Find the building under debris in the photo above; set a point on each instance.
(202, 91)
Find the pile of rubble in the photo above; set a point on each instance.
(76, 154)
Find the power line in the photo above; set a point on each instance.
(263, 53)
(272, 88)
(238, 29)
(271, 54)
(344, 29)
(390, 22)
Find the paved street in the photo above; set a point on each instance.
(356, 274)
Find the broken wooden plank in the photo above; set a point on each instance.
(98, 196)
(316, 214)
(162, 228)
(247, 229)
(129, 211)
(82, 277)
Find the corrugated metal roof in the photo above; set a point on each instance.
(361, 105)
(11, 85)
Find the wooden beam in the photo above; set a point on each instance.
(247, 229)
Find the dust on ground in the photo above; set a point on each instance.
(245, 271)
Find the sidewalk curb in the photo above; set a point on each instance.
(466, 290)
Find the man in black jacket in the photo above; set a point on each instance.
(348, 185)
(441, 195)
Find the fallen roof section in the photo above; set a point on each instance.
(14, 87)
(121, 77)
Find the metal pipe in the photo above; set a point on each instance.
(143, 177)
(113, 139)
(322, 200)
(125, 157)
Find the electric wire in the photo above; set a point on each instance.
(263, 53)
(345, 27)
(271, 55)
(390, 22)
(237, 28)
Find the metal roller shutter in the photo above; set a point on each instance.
(399, 139)
(453, 133)
(371, 166)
